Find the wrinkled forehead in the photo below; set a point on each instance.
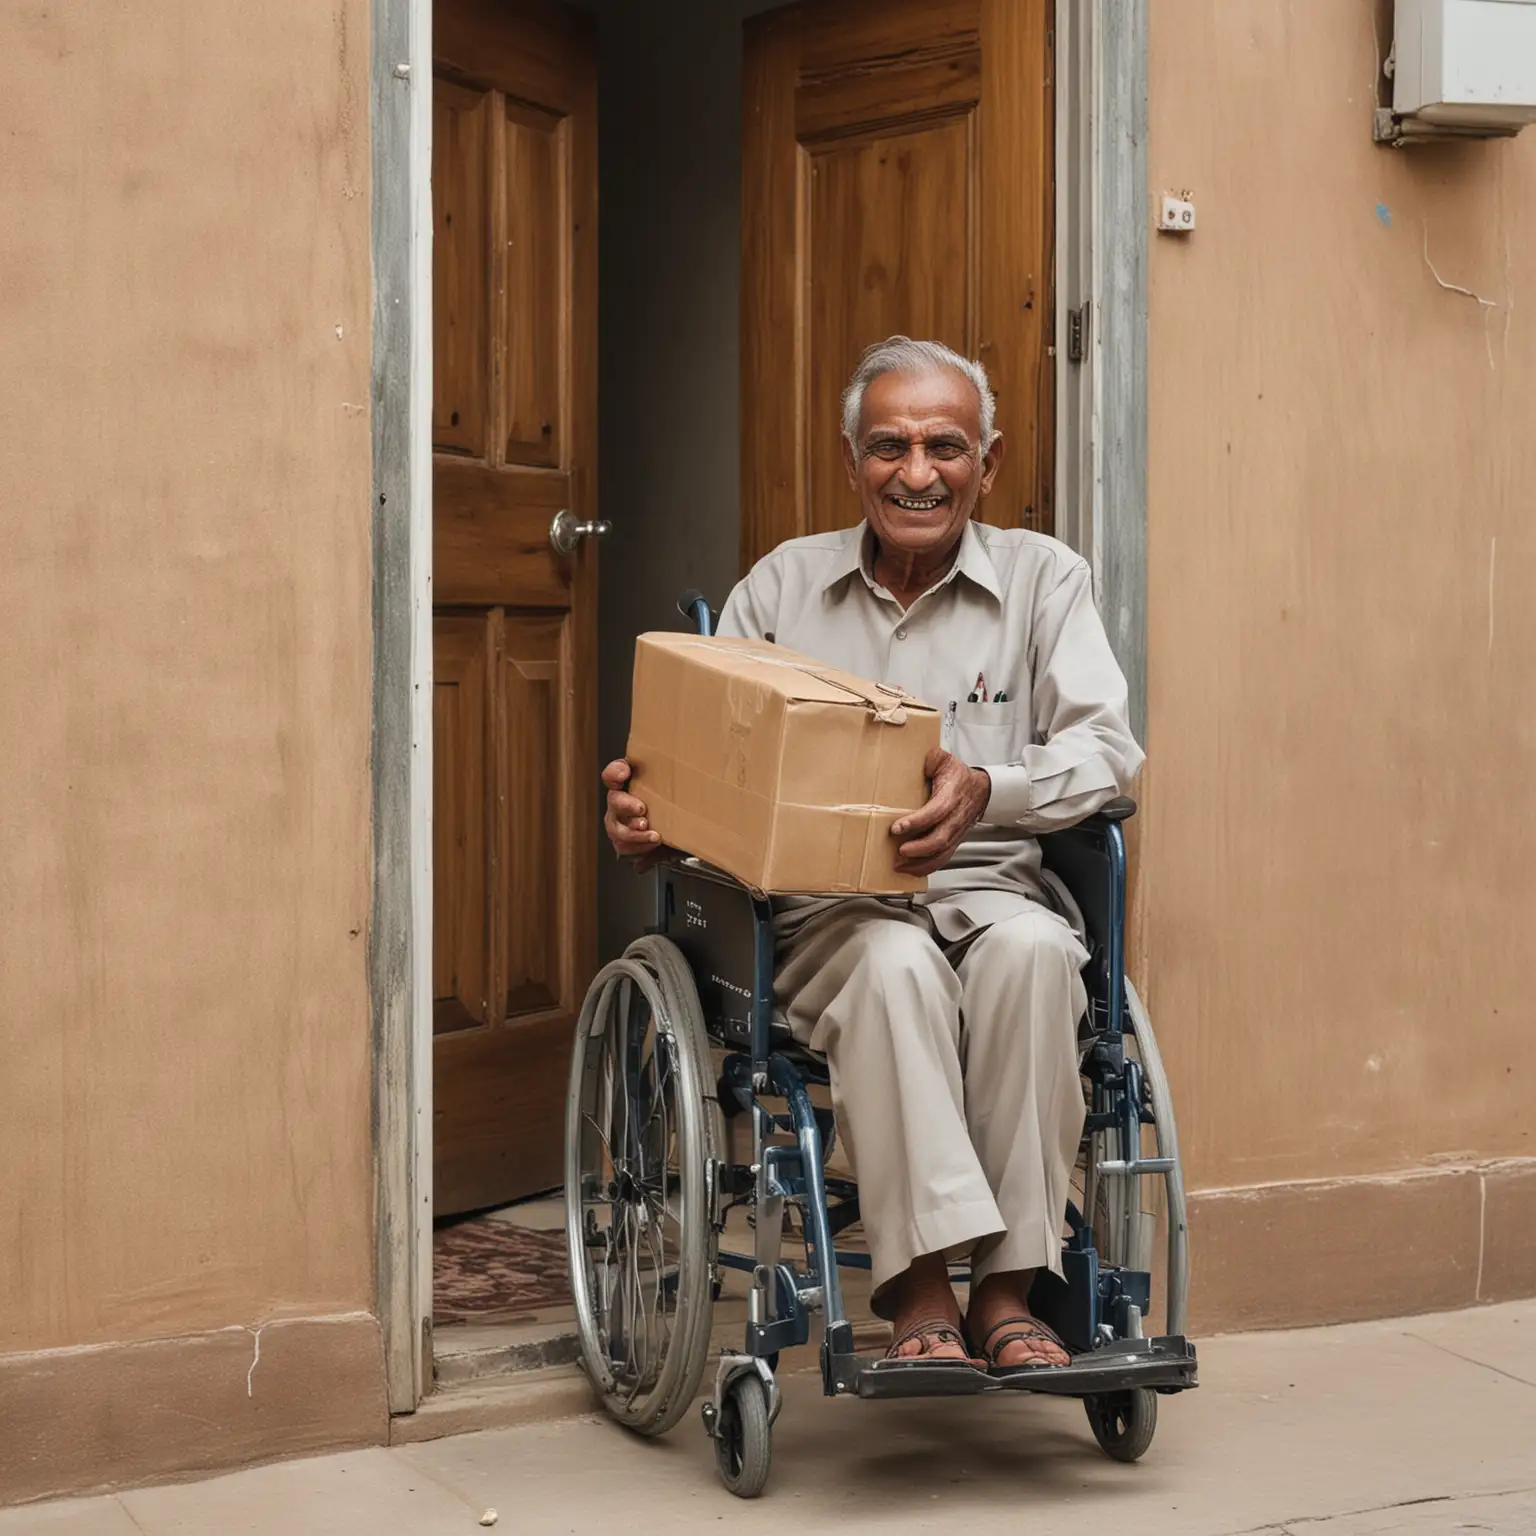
(922, 405)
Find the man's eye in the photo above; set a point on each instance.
(946, 450)
(888, 449)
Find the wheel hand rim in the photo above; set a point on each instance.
(635, 1264)
(642, 1133)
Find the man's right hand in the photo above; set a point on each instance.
(624, 822)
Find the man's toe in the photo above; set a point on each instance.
(1029, 1350)
(939, 1344)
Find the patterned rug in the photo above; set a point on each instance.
(483, 1267)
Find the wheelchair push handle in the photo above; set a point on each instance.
(694, 607)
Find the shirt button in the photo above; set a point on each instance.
(901, 634)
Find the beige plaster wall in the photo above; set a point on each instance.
(184, 591)
(1337, 881)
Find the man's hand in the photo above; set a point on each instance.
(957, 799)
(624, 821)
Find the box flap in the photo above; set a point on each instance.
(795, 676)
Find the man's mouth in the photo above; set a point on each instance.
(917, 503)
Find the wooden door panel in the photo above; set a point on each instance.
(860, 103)
(506, 890)
(461, 755)
(460, 267)
(880, 34)
(536, 51)
(537, 257)
(483, 1082)
(897, 177)
(1016, 304)
(515, 622)
(887, 242)
(536, 940)
(490, 536)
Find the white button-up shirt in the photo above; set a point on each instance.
(1009, 646)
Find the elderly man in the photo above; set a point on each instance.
(950, 1025)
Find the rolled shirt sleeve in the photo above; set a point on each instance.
(1085, 755)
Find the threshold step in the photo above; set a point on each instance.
(466, 1354)
(497, 1402)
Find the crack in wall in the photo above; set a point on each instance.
(255, 1333)
(1486, 305)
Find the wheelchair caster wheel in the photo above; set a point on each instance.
(744, 1438)
(1123, 1422)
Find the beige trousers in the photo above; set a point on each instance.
(954, 1076)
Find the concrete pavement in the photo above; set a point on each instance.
(1423, 1425)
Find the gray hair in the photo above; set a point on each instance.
(900, 354)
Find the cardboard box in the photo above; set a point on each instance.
(782, 771)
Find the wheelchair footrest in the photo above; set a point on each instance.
(1165, 1365)
(910, 1378)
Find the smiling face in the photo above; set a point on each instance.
(919, 469)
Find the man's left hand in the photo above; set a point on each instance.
(957, 798)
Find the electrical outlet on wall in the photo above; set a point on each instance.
(1177, 215)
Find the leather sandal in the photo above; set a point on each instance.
(941, 1332)
(1025, 1329)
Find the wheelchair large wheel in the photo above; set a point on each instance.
(641, 1136)
(1118, 1209)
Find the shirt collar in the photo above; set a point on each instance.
(851, 557)
(973, 561)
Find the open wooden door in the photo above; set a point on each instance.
(514, 192)
(897, 176)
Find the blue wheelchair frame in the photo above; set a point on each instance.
(725, 931)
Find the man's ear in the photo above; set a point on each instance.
(850, 464)
(991, 462)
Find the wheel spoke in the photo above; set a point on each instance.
(602, 1138)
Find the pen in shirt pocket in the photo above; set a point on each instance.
(979, 695)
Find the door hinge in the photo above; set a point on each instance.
(1077, 332)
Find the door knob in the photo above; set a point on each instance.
(565, 533)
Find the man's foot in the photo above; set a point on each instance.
(931, 1339)
(925, 1317)
(1003, 1328)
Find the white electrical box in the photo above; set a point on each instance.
(1464, 67)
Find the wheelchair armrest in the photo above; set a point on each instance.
(1122, 808)
(1107, 815)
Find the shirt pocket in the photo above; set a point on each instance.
(987, 735)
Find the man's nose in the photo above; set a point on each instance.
(919, 471)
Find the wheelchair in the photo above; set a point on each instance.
(680, 1033)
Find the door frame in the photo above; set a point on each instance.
(1102, 210)
(1102, 227)
(400, 925)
